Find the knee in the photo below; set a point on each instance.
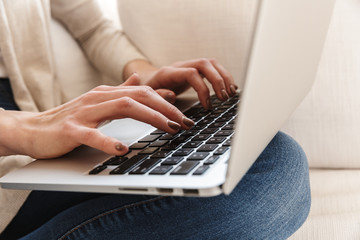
(293, 179)
(282, 175)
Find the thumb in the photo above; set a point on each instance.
(133, 80)
(167, 94)
(94, 138)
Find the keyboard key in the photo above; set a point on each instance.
(224, 118)
(149, 138)
(205, 121)
(201, 137)
(114, 161)
(215, 140)
(137, 146)
(214, 115)
(211, 160)
(184, 168)
(145, 166)
(201, 170)
(198, 116)
(148, 151)
(222, 107)
(221, 150)
(228, 127)
(129, 164)
(190, 133)
(216, 125)
(218, 111)
(127, 153)
(180, 140)
(171, 146)
(167, 137)
(183, 152)
(157, 132)
(197, 128)
(224, 133)
(161, 170)
(159, 143)
(208, 131)
(198, 156)
(161, 154)
(207, 148)
(192, 144)
(172, 161)
(97, 170)
(191, 112)
(227, 143)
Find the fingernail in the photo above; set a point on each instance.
(232, 89)
(119, 147)
(208, 103)
(188, 122)
(170, 98)
(224, 94)
(174, 125)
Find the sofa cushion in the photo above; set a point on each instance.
(335, 210)
(327, 122)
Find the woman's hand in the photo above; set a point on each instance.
(182, 75)
(57, 131)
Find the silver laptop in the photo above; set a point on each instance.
(211, 158)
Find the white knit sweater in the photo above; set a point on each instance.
(30, 65)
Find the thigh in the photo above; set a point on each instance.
(271, 202)
(6, 95)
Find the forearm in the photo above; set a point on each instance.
(106, 47)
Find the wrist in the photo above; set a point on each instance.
(143, 68)
(15, 132)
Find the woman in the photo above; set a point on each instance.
(271, 201)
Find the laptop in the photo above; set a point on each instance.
(213, 156)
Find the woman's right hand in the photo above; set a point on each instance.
(59, 130)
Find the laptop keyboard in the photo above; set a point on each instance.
(188, 152)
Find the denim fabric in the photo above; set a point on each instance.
(271, 202)
(6, 95)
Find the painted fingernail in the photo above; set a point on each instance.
(120, 147)
(170, 98)
(174, 125)
(188, 122)
(208, 103)
(224, 94)
(232, 89)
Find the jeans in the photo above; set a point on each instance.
(6, 95)
(271, 202)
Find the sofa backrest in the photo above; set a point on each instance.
(327, 122)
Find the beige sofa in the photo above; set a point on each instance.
(327, 124)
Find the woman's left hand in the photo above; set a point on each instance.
(179, 76)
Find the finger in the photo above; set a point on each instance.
(193, 78)
(211, 74)
(231, 87)
(128, 107)
(133, 80)
(142, 94)
(94, 138)
(167, 94)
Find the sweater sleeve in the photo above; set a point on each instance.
(106, 47)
